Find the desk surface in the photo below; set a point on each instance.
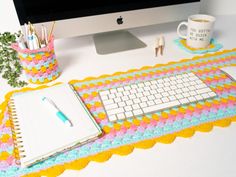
(185, 157)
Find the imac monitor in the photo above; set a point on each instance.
(106, 19)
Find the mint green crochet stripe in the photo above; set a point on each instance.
(161, 68)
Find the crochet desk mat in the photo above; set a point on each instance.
(139, 132)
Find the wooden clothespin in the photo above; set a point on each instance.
(156, 47)
(161, 44)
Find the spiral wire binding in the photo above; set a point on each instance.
(16, 133)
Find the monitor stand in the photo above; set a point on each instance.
(116, 41)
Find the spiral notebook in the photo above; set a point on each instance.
(40, 132)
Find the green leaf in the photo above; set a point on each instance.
(10, 67)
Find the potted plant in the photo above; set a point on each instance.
(10, 67)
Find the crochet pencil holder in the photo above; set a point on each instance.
(40, 66)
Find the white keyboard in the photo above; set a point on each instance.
(153, 95)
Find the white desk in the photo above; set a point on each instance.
(205, 154)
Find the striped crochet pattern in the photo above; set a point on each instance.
(40, 66)
(139, 132)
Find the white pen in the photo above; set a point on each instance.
(45, 35)
(35, 41)
(30, 41)
(26, 33)
(53, 107)
(20, 41)
(43, 42)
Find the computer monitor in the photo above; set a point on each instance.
(76, 18)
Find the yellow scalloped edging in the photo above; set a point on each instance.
(127, 149)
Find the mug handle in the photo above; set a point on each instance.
(179, 32)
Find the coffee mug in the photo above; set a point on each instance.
(199, 30)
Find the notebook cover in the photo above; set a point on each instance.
(40, 133)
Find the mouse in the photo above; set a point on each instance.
(230, 71)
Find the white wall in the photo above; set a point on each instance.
(9, 21)
(218, 7)
(8, 17)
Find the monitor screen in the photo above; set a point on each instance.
(49, 10)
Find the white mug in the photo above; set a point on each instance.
(199, 30)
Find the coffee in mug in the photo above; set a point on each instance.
(199, 30)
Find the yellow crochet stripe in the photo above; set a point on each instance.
(124, 150)
(38, 56)
(46, 80)
(183, 42)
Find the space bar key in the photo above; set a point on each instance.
(161, 106)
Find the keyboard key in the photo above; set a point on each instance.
(118, 99)
(144, 99)
(111, 96)
(104, 97)
(151, 97)
(172, 98)
(132, 96)
(212, 94)
(165, 100)
(184, 101)
(139, 95)
(111, 106)
(128, 108)
(135, 106)
(146, 93)
(124, 98)
(198, 97)
(120, 89)
(112, 118)
(104, 92)
(143, 105)
(121, 104)
(134, 86)
(129, 114)
(127, 88)
(136, 100)
(113, 91)
(121, 116)
(106, 102)
(137, 112)
(115, 111)
(158, 101)
(129, 102)
(150, 103)
(160, 106)
(153, 92)
(153, 82)
(147, 83)
(126, 93)
(140, 85)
